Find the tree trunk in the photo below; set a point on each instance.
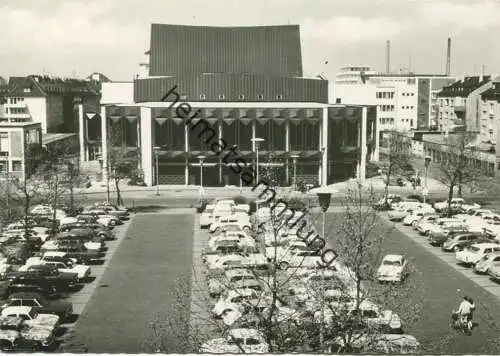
(118, 193)
(450, 197)
(54, 206)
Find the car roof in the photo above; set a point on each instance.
(242, 333)
(16, 310)
(239, 272)
(26, 295)
(486, 245)
(55, 254)
(393, 257)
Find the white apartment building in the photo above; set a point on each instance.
(460, 104)
(489, 114)
(404, 101)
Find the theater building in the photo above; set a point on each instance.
(245, 83)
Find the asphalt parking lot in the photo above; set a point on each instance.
(438, 282)
(137, 286)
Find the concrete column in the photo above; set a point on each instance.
(186, 172)
(221, 133)
(146, 123)
(254, 129)
(81, 133)
(104, 145)
(324, 141)
(287, 136)
(364, 148)
(186, 149)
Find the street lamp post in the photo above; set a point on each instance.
(156, 150)
(323, 149)
(324, 202)
(294, 158)
(257, 140)
(426, 189)
(201, 158)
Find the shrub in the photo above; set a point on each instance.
(240, 200)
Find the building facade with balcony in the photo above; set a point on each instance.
(459, 104)
(244, 83)
(404, 101)
(47, 100)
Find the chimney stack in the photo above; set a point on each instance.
(388, 57)
(448, 57)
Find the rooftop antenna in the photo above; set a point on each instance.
(448, 57)
(388, 57)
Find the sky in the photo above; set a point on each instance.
(77, 37)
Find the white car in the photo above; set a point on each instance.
(238, 261)
(251, 341)
(400, 214)
(492, 231)
(241, 220)
(485, 263)
(392, 344)
(103, 217)
(32, 318)
(52, 245)
(61, 261)
(371, 313)
(436, 226)
(206, 218)
(492, 219)
(394, 268)
(417, 216)
(479, 212)
(473, 254)
(233, 299)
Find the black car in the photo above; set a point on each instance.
(41, 304)
(83, 234)
(99, 230)
(78, 251)
(440, 239)
(45, 275)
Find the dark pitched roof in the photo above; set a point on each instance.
(41, 85)
(462, 88)
(178, 50)
(18, 84)
(493, 93)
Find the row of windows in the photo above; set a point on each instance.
(408, 94)
(385, 95)
(410, 121)
(386, 107)
(15, 110)
(17, 166)
(387, 120)
(407, 107)
(16, 100)
(223, 97)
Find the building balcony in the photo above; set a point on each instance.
(459, 108)
(19, 105)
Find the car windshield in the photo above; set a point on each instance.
(391, 263)
(33, 314)
(473, 249)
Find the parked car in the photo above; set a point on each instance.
(64, 310)
(112, 210)
(237, 341)
(484, 264)
(393, 268)
(40, 327)
(400, 214)
(206, 217)
(62, 262)
(45, 275)
(16, 336)
(103, 217)
(242, 220)
(473, 254)
(379, 344)
(494, 272)
(102, 231)
(460, 241)
(413, 219)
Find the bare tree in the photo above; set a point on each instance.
(457, 166)
(395, 159)
(123, 164)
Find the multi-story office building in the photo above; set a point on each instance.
(246, 83)
(404, 101)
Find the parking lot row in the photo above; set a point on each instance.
(80, 299)
(447, 257)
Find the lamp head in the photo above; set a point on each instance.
(324, 200)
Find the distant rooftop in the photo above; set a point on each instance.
(411, 75)
(53, 137)
(462, 88)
